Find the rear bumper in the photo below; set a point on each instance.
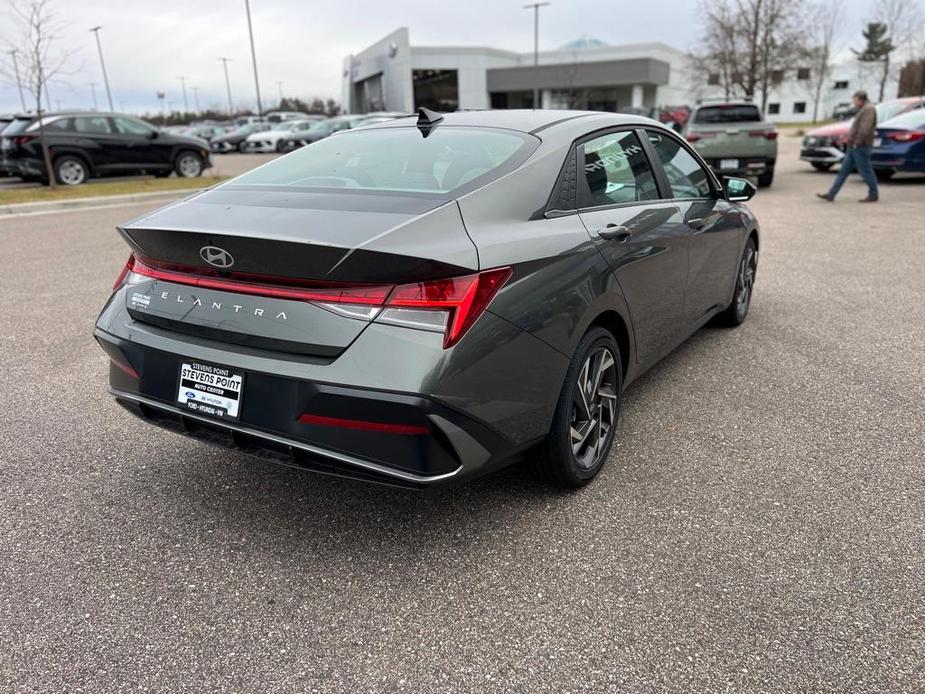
(447, 445)
(747, 166)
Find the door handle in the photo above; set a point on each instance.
(615, 232)
(697, 223)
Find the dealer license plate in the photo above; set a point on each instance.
(211, 390)
(878, 141)
(729, 163)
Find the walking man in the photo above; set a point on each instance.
(860, 143)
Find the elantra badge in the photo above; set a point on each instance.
(216, 256)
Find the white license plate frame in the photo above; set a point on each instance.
(210, 389)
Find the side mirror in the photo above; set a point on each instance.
(738, 189)
(153, 135)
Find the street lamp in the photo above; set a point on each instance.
(196, 99)
(536, 48)
(279, 85)
(250, 31)
(93, 89)
(228, 85)
(185, 100)
(99, 48)
(22, 99)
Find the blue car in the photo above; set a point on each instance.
(900, 145)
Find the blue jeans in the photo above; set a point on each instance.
(856, 158)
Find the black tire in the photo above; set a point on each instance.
(735, 314)
(242, 146)
(188, 164)
(884, 174)
(280, 144)
(557, 460)
(821, 166)
(71, 170)
(766, 179)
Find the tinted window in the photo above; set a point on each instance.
(127, 126)
(59, 125)
(617, 171)
(687, 178)
(728, 113)
(96, 125)
(397, 160)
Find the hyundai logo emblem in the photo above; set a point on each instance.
(216, 256)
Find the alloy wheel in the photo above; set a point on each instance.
(746, 280)
(594, 408)
(71, 172)
(189, 166)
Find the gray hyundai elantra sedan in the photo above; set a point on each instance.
(430, 298)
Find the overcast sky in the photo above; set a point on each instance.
(147, 45)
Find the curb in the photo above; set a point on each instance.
(96, 201)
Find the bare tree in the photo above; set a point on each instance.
(38, 29)
(751, 44)
(826, 22)
(904, 24)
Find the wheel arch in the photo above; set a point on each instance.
(617, 326)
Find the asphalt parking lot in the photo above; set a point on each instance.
(760, 527)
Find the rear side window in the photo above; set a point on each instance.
(687, 178)
(127, 126)
(616, 171)
(914, 120)
(18, 125)
(95, 125)
(399, 160)
(728, 113)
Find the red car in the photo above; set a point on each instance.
(824, 147)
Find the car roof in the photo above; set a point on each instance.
(528, 120)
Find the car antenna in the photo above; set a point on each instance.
(428, 120)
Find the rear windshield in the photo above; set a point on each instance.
(399, 160)
(890, 109)
(913, 120)
(728, 114)
(17, 126)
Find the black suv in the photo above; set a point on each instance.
(89, 144)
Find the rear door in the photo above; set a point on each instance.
(105, 150)
(641, 235)
(715, 225)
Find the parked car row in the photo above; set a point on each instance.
(898, 146)
(87, 144)
(290, 134)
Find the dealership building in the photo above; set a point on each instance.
(393, 75)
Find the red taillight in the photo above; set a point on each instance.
(907, 136)
(361, 425)
(768, 135)
(129, 264)
(465, 298)
(694, 136)
(22, 139)
(448, 305)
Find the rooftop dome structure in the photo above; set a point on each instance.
(583, 43)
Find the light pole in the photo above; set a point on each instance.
(22, 99)
(279, 86)
(99, 48)
(185, 100)
(250, 31)
(228, 85)
(536, 48)
(93, 89)
(196, 99)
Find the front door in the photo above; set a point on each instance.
(716, 231)
(642, 236)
